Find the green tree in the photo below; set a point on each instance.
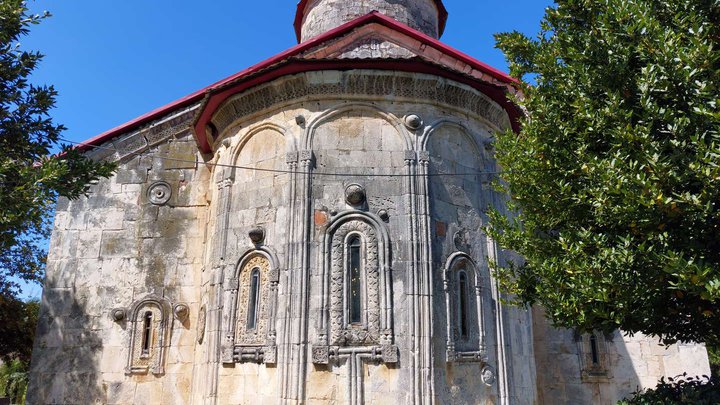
(18, 321)
(30, 177)
(14, 380)
(615, 175)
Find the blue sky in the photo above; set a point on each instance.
(112, 61)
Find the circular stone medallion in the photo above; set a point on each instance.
(413, 121)
(159, 193)
(355, 194)
(488, 375)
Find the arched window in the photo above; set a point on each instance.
(150, 322)
(464, 300)
(250, 309)
(252, 304)
(592, 348)
(356, 289)
(354, 280)
(357, 294)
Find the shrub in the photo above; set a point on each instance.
(679, 390)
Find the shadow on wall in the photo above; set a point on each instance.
(568, 372)
(66, 353)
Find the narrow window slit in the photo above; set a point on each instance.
(594, 350)
(355, 282)
(146, 334)
(254, 298)
(462, 315)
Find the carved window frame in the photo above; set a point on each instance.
(594, 359)
(258, 344)
(335, 332)
(153, 361)
(471, 347)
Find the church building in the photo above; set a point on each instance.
(310, 231)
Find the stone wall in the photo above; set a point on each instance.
(108, 251)
(341, 138)
(627, 364)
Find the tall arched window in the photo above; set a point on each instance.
(356, 294)
(464, 298)
(252, 302)
(150, 323)
(249, 313)
(594, 352)
(594, 359)
(354, 280)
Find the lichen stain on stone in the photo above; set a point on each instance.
(155, 272)
(449, 375)
(350, 128)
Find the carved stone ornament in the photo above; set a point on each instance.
(460, 239)
(413, 121)
(181, 312)
(321, 355)
(147, 351)
(202, 320)
(390, 354)
(257, 235)
(341, 333)
(355, 194)
(488, 375)
(159, 193)
(384, 215)
(118, 314)
(270, 355)
(253, 335)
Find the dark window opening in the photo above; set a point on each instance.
(355, 283)
(146, 333)
(463, 307)
(594, 350)
(254, 299)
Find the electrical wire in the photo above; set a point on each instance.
(279, 171)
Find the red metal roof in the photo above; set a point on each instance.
(272, 68)
(300, 14)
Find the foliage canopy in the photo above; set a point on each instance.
(30, 177)
(615, 175)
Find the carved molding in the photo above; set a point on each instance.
(472, 345)
(357, 84)
(257, 335)
(250, 344)
(375, 328)
(144, 356)
(341, 332)
(592, 349)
